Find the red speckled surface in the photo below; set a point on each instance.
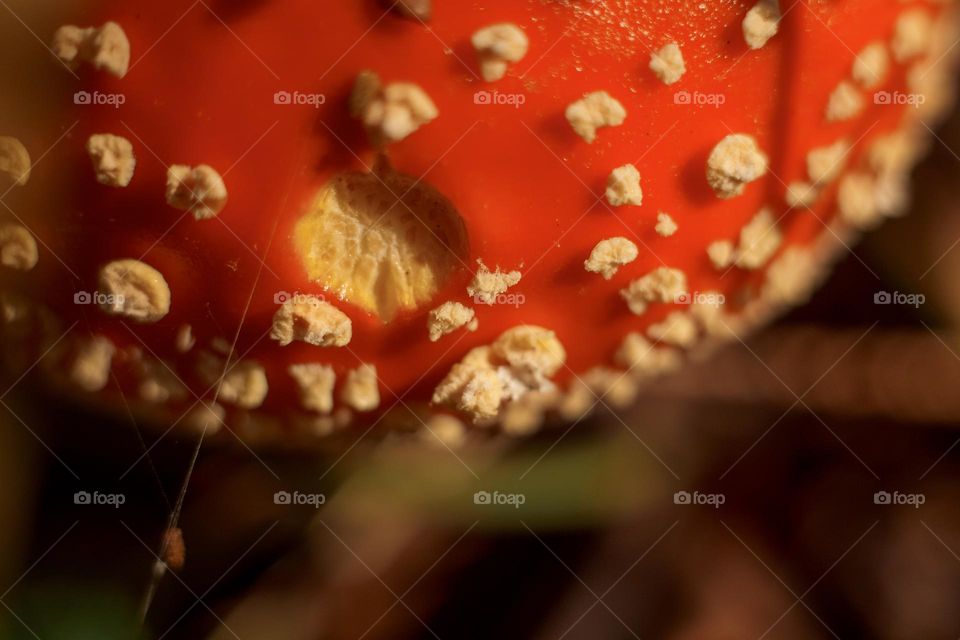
(200, 90)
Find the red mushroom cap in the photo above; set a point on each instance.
(372, 203)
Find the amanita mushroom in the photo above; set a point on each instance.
(303, 216)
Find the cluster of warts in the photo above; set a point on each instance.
(510, 379)
(877, 188)
(863, 197)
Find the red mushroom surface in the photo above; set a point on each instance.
(294, 217)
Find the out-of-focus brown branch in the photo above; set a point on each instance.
(909, 375)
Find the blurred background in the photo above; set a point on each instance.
(800, 485)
